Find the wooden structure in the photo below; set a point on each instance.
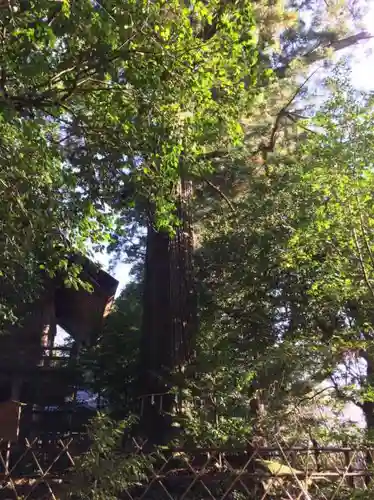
(32, 370)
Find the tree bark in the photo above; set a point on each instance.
(368, 411)
(169, 319)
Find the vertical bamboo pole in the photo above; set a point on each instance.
(14, 396)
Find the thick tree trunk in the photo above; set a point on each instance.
(368, 410)
(368, 406)
(169, 320)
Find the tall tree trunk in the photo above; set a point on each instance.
(169, 319)
(368, 411)
(368, 406)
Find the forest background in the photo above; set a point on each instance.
(224, 150)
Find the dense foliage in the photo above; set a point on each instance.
(107, 107)
(285, 290)
(286, 279)
(260, 340)
(101, 100)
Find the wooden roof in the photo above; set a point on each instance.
(80, 312)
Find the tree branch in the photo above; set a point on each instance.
(340, 394)
(339, 45)
(361, 262)
(315, 394)
(265, 149)
(295, 120)
(364, 233)
(313, 55)
(213, 154)
(222, 195)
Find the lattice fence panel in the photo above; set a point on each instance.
(256, 473)
(38, 469)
